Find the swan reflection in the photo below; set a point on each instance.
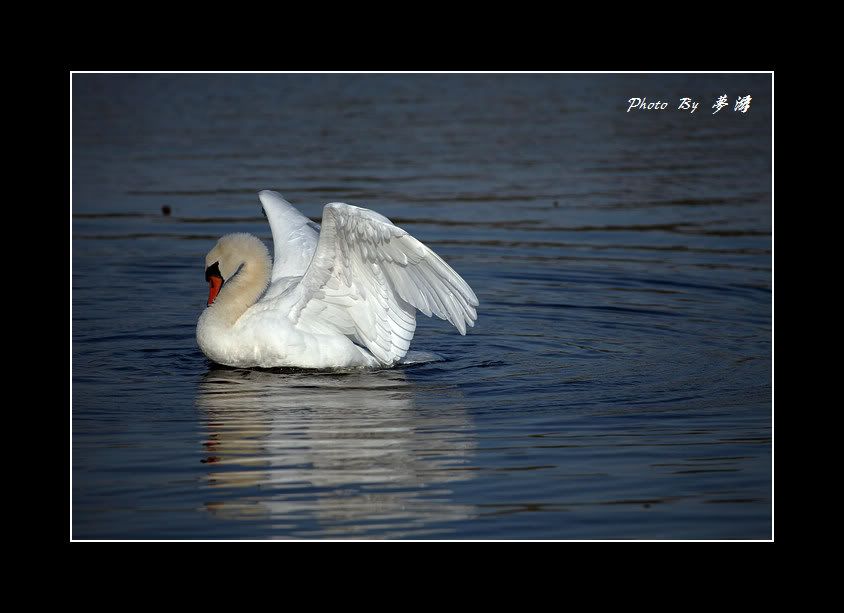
(316, 454)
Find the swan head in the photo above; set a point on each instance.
(227, 257)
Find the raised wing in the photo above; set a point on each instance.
(368, 277)
(294, 236)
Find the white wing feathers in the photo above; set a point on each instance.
(294, 236)
(367, 278)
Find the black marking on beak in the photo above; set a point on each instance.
(213, 271)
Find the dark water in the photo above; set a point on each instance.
(617, 384)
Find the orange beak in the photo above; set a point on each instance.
(214, 285)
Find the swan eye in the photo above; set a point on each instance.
(213, 271)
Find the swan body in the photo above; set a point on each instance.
(341, 295)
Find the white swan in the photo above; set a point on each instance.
(344, 295)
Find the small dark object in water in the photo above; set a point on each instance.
(556, 204)
(165, 210)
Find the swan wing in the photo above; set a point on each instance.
(295, 236)
(367, 278)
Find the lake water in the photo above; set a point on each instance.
(617, 384)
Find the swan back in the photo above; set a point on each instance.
(366, 280)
